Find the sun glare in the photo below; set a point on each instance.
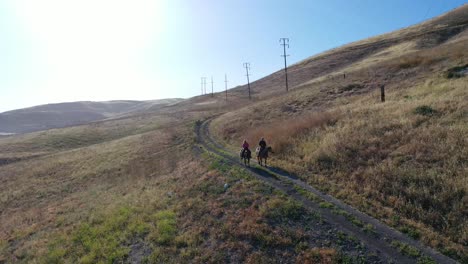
(93, 45)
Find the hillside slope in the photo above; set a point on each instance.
(404, 160)
(335, 62)
(68, 114)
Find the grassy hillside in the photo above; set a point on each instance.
(139, 190)
(333, 63)
(403, 161)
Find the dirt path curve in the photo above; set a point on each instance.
(377, 236)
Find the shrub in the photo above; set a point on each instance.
(353, 86)
(325, 161)
(456, 72)
(425, 110)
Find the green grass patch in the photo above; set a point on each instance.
(281, 210)
(103, 241)
(410, 231)
(425, 260)
(326, 205)
(310, 196)
(106, 238)
(356, 222)
(166, 227)
(220, 165)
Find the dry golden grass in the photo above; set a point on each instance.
(131, 189)
(403, 161)
(140, 197)
(280, 133)
(58, 178)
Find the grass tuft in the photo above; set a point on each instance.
(406, 249)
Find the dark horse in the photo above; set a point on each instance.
(263, 155)
(246, 155)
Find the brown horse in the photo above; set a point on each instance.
(245, 156)
(263, 155)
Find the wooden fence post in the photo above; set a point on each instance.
(382, 92)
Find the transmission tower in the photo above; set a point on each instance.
(247, 68)
(285, 42)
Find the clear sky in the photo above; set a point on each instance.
(72, 50)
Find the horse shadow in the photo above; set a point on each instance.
(262, 172)
(282, 172)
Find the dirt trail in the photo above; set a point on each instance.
(378, 239)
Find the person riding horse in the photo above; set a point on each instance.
(245, 149)
(262, 145)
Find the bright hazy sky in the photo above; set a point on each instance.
(72, 50)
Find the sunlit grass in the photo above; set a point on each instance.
(404, 157)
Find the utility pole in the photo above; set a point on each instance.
(247, 67)
(225, 85)
(201, 85)
(285, 42)
(212, 94)
(204, 85)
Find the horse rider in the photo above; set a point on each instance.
(245, 147)
(262, 145)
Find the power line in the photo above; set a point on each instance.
(427, 12)
(247, 67)
(284, 44)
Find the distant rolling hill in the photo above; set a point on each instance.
(73, 113)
